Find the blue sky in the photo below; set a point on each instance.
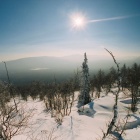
(43, 28)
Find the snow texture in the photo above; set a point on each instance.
(87, 123)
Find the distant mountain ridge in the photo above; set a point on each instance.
(45, 67)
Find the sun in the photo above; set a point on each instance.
(78, 21)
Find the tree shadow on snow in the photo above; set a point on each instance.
(133, 124)
(105, 107)
(128, 101)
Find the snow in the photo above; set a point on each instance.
(87, 123)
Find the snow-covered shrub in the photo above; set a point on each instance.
(13, 120)
(59, 100)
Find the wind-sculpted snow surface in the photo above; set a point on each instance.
(87, 124)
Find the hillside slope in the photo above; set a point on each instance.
(87, 125)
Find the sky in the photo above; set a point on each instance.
(31, 28)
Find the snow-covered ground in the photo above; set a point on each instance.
(87, 125)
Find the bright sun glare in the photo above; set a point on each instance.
(78, 21)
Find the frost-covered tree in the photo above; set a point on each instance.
(84, 96)
(124, 82)
(134, 82)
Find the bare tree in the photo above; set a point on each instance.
(10, 88)
(13, 120)
(59, 99)
(134, 81)
(112, 124)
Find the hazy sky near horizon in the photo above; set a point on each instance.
(44, 28)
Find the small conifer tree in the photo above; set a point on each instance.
(84, 96)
